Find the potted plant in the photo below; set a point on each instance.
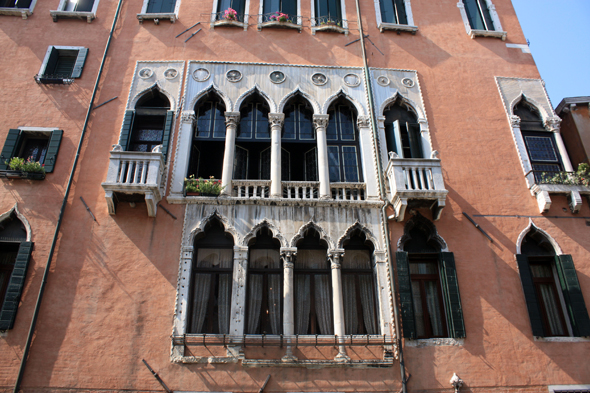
(230, 14)
(279, 17)
(29, 169)
(202, 187)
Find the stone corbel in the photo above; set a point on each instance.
(188, 117)
(543, 198)
(575, 201)
(363, 122)
(152, 204)
(515, 121)
(553, 124)
(111, 202)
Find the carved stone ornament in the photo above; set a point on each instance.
(320, 121)
(456, 382)
(145, 73)
(188, 117)
(363, 121)
(335, 258)
(276, 119)
(234, 76)
(277, 77)
(170, 73)
(201, 74)
(288, 257)
(319, 79)
(232, 119)
(514, 121)
(352, 80)
(383, 80)
(408, 82)
(553, 124)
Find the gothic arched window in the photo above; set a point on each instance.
(299, 142)
(252, 153)
(402, 131)
(343, 145)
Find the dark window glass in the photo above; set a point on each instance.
(402, 132)
(8, 252)
(393, 11)
(547, 296)
(16, 3)
(343, 151)
(478, 14)
(237, 5)
(298, 140)
(34, 149)
(328, 10)
(427, 298)
(161, 6)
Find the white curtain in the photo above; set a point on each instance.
(313, 259)
(226, 261)
(323, 303)
(264, 259)
(418, 312)
(351, 320)
(302, 302)
(358, 259)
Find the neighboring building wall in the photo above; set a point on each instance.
(575, 115)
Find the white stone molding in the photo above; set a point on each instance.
(266, 223)
(312, 225)
(212, 88)
(22, 219)
(232, 120)
(410, 27)
(523, 47)
(320, 123)
(256, 89)
(227, 226)
(22, 12)
(169, 87)
(353, 228)
(173, 16)
(315, 105)
(427, 226)
(188, 117)
(61, 12)
(533, 227)
(341, 93)
(497, 32)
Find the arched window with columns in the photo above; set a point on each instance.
(208, 143)
(298, 141)
(149, 125)
(252, 156)
(402, 131)
(343, 143)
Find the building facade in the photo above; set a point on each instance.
(242, 195)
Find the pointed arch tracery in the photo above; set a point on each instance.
(200, 227)
(265, 224)
(421, 223)
(155, 87)
(531, 228)
(312, 225)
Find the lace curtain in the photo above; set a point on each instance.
(264, 259)
(201, 286)
(355, 287)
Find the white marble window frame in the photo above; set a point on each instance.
(568, 388)
(498, 32)
(410, 27)
(62, 13)
(343, 29)
(261, 25)
(23, 12)
(156, 16)
(214, 22)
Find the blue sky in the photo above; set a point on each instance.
(559, 35)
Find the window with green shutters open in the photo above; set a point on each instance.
(480, 18)
(159, 9)
(38, 145)
(282, 11)
(395, 15)
(81, 9)
(62, 64)
(551, 288)
(428, 287)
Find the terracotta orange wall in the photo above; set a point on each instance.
(111, 292)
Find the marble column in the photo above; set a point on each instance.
(276, 125)
(238, 299)
(231, 125)
(553, 124)
(288, 256)
(320, 123)
(335, 258)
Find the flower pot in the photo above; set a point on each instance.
(11, 174)
(34, 175)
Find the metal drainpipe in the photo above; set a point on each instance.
(61, 212)
(382, 191)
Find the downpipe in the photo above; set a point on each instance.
(61, 212)
(384, 218)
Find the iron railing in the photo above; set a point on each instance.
(281, 341)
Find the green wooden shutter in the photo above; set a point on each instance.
(289, 7)
(401, 18)
(52, 149)
(126, 129)
(9, 148)
(405, 294)
(80, 60)
(167, 132)
(526, 278)
(572, 294)
(450, 288)
(51, 61)
(415, 140)
(15, 286)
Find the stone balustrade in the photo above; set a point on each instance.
(301, 189)
(251, 188)
(348, 191)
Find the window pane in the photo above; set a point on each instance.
(418, 312)
(311, 165)
(350, 164)
(434, 310)
(334, 163)
(423, 268)
(262, 128)
(218, 121)
(332, 130)
(346, 124)
(247, 121)
(387, 11)
(204, 120)
(541, 148)
(306, 130)
(552, 310)
(289, 126)
(240, 163)
(265, 164)
(473, 14)
(400, 12)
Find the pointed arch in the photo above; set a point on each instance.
(21, 217)
(522, 97)
(411, 105)
(200, 227)
(159, 88)
(212, 88)
(353, 229)
(341, 93)
(256, 89)
(426, 226)
(265, 223)
(531, 227)
(315, 105)
(312, 225)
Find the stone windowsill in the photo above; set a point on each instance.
(395, 27)
(488, 33)
(24, 12)
(279, 25)
(89, 16)
(434, 342)
(561, 188)
(364, 363)
(329, 28)
(178, 198)
(229, 23)
(157, 16)
(563, 339)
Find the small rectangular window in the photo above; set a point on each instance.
(62, 64)
(161, 6)
(478, 15)
(15, 3)
(393, 11)
(30, 144)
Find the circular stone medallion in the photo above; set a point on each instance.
(145, 73)
(277, 77)
(352, 80)
(319, 79)
(408, 82)
(383, 80)
(233, 76)
(201, 74)
(170, 73)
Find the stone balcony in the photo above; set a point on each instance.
(543, 184)
(135, 175)
(415, 182)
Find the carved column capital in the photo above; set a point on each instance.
(188, 117)
(232, 119)
(276, 119)
(320, 121)
(514, 121)
(335, 257)
(288, 256)
(553, 124)
(363, 121)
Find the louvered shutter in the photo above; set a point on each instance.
(405, 294)
(15, 286)
(572, 293)
(289, 7)
(450, 287)
(51, 61)
(79, 64)
(126, 129)
(526, 278)
(167, 132)
(52, 149)
(9, 148)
